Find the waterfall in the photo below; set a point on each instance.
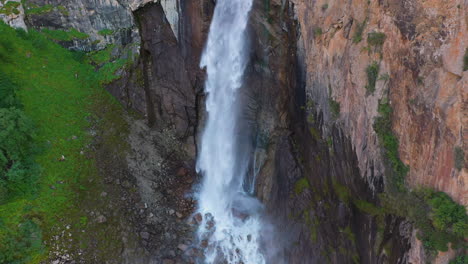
(231, 217)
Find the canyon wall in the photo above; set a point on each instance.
(422, 55)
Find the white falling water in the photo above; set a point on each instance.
(233, 227)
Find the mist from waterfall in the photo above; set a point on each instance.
(231, 216)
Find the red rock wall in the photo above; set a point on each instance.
(423, 55)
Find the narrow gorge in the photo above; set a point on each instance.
(233, 131)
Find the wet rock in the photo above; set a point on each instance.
(182, 247)
(238, 214)
(145, 235)
(182, 172)
(198, 218)
(210, 224)
(204, 243)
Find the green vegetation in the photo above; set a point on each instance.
(10, 8)
(446, 214)
(438, 218)
(460, 260)
(357, 37)
(372, 73)
(349, 234)
(101, 56)
(17, 147)
(465, 60)
(301, 185)
(367, 207)
(105, 32)
(33, 9)
(376, 39)
(63, 10)
(48, 97)
(342, 192)
(334, 108)
(324, 7)
(383, 128)
(62, 35)
(317, 32)
(459, 158)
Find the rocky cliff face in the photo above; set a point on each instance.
(317, 74)
(422, 56)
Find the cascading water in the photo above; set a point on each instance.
(231, 223)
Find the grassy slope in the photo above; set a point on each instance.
(58, 94)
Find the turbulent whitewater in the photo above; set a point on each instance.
(231, 223)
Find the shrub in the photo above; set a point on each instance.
(447, 215)
(465, 60)
(105, 32)
(8, 92)
(383, 128)
(317, 32)
(459, 158)
(357, 37)
(367, 207)
(334, 108)
(101, 56)
(376, 39)
(301, 185)
(341, 191)
(372, 73)
(324, 7)
(32, 9)
(17, 149)
(460, 260)
(10, 8)
(19, 245)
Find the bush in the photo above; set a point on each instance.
(460, 260)
(383, 128)
(105, 32)
(301, 185)
(32, 9)
(459, 158)
(18, 171)
(372, 74)
(447, 215)
(324, 7)
(19, 245)
(317, 32)
(8, 92)
(10, 8)
(357, 37)
(17, 149)
(376, 39)
(334, 108)
(465, 61)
